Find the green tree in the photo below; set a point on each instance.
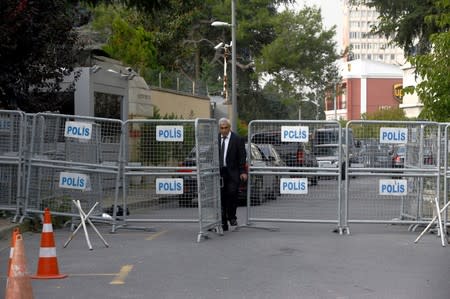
(433, 68)
(421, 28)
(184, 42)
(38, 48)
(301, 58)
(386, 114)
(125, 37)
(403, 21)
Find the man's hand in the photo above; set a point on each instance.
(243, 177)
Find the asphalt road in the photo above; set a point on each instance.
(296, 261)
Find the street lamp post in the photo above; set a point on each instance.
(234, 112)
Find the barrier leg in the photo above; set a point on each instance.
(82, 224)
(439, 212)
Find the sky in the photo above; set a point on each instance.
(331, 14)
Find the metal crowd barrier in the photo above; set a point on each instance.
(72, 158)
(167, 170)
(307, 187)
(446, 170)
(11, 160)
(170, 173)
(395, 175)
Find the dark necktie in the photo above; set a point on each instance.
(222, 152)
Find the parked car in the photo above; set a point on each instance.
(270, 154)
(294, 154)
(398, 156)
(189, 198)
(375, 156)
(264, 187)
(327, 156)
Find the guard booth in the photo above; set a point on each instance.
(11, 160)
(394, 177)
(307, 185)
(170, 173)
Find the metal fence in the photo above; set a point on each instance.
(175, 81)
(11, 160)
(307, 185)
(170, 172)
(72, 158)
(445, 171)
(393, 172)
(167, 170)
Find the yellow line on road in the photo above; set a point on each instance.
(123, 273)
(154, 236)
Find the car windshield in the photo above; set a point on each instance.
(266, 138)
(401, 150)
(256, 154)
(204, 150)
(269, 151)
(327, 151)
(379, 149)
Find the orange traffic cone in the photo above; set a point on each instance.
(11, 251)
(18, 285)
(48, 263)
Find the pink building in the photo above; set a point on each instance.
(366, 87)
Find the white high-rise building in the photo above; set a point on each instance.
(361, 43)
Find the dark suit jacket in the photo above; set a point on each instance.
(235, 157)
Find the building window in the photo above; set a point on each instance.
(107, 105)
(392, 56)
(344, 96)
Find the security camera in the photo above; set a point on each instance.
(218, 46)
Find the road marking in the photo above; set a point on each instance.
(154, 236)
(123, 273)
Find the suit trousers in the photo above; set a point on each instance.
(229, 196)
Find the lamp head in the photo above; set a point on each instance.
(220, 24)
(218, 46)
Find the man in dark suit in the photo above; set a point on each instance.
(232, 159)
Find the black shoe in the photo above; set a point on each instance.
(225, 228)
(233, 222)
